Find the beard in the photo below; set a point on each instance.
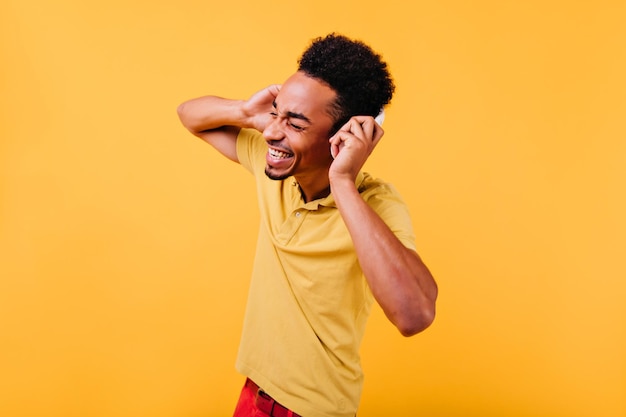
(276, 177)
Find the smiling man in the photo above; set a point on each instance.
(333, 239)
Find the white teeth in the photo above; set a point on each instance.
(278, 154)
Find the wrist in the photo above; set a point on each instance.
(340, 183)
(342, 175)
(245, 117)
(250, 116)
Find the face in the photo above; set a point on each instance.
(297, 137)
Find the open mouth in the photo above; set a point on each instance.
(276, 154)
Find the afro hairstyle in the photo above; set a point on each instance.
(354, 71)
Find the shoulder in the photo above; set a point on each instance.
(372, 189)
(387, 202)
(251, 148)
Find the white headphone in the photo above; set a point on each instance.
(380, 118)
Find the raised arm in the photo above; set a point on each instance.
(217, 120)
(399, 280)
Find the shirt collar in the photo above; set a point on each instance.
(329, 200)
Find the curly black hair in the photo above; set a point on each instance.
(358, 75)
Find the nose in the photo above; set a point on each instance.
(273, 130)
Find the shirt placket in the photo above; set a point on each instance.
(291, 225)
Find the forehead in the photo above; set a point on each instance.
(305, 95)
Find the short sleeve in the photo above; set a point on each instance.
(387, 202)
(251, 149)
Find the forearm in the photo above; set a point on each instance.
(210, 112)
(398, 278)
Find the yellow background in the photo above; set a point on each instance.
(126, 244)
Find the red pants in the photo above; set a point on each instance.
(255, 403)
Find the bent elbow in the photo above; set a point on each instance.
(411, 326)
(180, 110)
(187, 119)
(182, 115)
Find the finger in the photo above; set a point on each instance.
(336, 145)
(338, 141)
(339, 137)
(334, 150)
(347, 126)
(274, 89)
(371, 129)
(369, 125)
(365, 127)
(378, 133)
(354, 127)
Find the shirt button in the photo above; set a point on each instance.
(297, 214)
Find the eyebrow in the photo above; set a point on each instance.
(293, 115)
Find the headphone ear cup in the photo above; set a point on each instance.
(380, 118)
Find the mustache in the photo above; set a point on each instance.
(278, 145)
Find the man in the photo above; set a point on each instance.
(332, 238)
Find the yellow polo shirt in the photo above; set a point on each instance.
(309, 301)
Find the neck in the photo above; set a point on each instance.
(313, 189)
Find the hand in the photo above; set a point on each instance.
(258, 107)
(352, 145)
